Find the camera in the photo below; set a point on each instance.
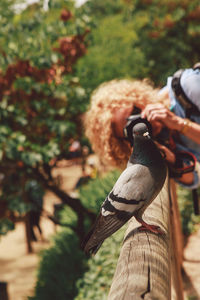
(132, 120)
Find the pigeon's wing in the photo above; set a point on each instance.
(134, 186)
(102, 229)
(125, 199)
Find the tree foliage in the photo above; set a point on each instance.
(169, 38)
(41, 101)
(139, 39)
(190, 221)
(112, 54)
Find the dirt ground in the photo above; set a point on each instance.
(19, 269)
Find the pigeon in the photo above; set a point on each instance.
(135, 189)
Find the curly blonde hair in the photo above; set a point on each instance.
(108, 97)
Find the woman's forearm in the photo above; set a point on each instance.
(191, 130)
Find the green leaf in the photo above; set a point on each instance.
(5, 226)
(31, 158)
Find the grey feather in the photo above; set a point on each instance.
(135, 189)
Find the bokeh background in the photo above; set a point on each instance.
(53, 54)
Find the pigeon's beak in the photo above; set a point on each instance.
(146, 134)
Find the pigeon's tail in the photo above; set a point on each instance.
(102, 229)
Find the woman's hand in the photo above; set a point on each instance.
(158, 113)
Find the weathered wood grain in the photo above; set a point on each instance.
(144, 266)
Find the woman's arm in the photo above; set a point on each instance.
(159, 113)
(158, 116)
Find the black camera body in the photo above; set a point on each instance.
(131, 122)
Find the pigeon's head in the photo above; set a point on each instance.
(141, 129)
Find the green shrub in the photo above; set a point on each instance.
(93, 194)
(188, 219)
(96, 282)
(60, 267)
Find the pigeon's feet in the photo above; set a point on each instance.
(153, 228)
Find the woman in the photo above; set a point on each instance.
(114, 101)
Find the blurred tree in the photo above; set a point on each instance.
(100, 9)
(147, 38)
(169, 35)
(111, 54)
(41, 101)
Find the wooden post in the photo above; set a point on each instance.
(3, 291)
(176, 245)
(149, 266)
(144, 270)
